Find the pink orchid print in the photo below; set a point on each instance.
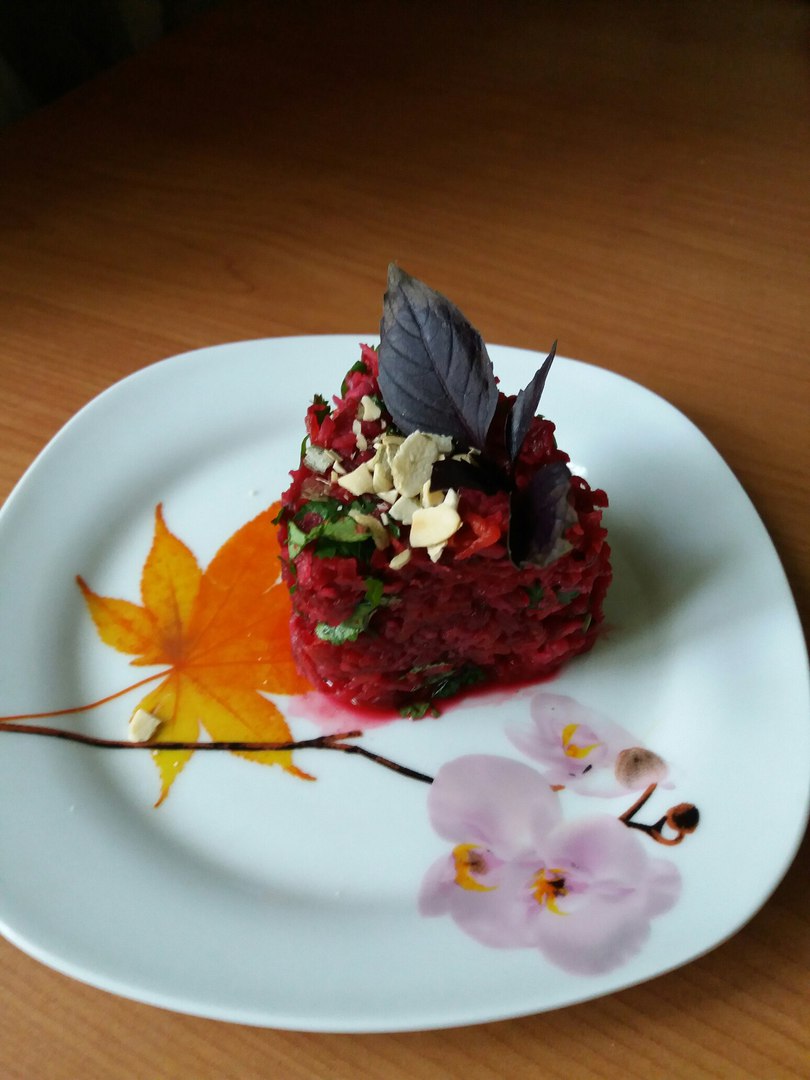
(584, 751)
(518, 876)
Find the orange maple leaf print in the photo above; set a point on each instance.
(223, 632)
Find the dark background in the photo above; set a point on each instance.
(47, 47)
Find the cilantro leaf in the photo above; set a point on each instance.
(535, 595)
(335, 534)
(351, 629)
(442, 685)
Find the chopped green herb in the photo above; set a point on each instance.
(359, 366)
(324, 508)
(418, 710)
(374, 591)
(443, 686)
(343, 530)
(565, 596)
(365, 505)
(296, 539)
(438, 669)
(535, 595)
(321, 408)
(351, 629)
(336, 534)
(331, 549)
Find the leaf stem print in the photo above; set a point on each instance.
(321, 742)
(682, 819)
(75, 709)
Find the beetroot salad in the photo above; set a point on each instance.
(433, 536)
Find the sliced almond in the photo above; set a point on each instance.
(413, 463)
(387, 455)
(143, 725)
(369, 409)
(403, 509)
(431, 498)
(379, 533)
(381, 477)
(451, 498)
(400, 560)
(435, 551)
(444, 444)
(470, 455)
(433, 525)
(319, 459)
(357, 482)
(389, 496)
(360, 440)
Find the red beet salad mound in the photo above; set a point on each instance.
(433, 536)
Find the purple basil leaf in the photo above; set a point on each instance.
(435, 374)
(450, 473)
(539, 515)
(525, 407)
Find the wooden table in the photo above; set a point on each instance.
(629, 178)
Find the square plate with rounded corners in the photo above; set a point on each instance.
(251, 896)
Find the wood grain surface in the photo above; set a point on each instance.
(631, 178)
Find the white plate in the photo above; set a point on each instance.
(254, 897)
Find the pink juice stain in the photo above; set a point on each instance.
(332, 715)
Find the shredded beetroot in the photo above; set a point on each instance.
(431, 629)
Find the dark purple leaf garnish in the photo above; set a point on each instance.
(539, 515)
(495, 448)
(435, 374)
(524, 409)
(483, 475)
